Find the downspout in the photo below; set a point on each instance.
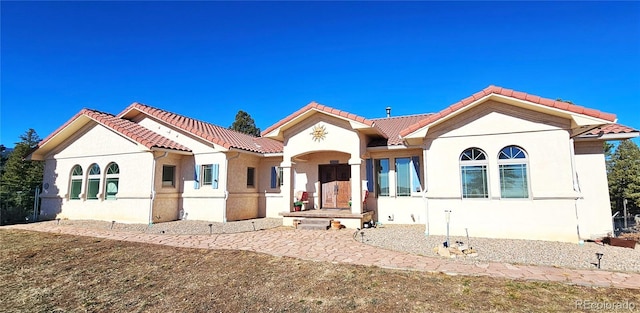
(226, 184)
(424, 192)
(576, 185)
(153, 185)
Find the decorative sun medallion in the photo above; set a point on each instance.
(318, 133)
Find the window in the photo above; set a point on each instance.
(76, 182)
(207, 177)
(168, 175)
(276, 176)
(407, 176)
(251, 177)
(93, 182)
(473, 173)
(111, 181)
(382, 179)
(512, 163)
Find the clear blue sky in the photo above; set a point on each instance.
(207, 60)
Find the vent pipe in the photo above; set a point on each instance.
(388, 111)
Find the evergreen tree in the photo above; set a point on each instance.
(19, 181)
(623, 173)
(245, 124)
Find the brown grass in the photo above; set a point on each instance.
(41, 272)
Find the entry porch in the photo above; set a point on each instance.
(345, 216)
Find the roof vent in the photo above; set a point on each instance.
(388, 111)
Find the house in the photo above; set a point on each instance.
(500, 163)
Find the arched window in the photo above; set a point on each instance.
(111, 181)
(93, 181)
(514, 181)
(473, 173)
(76, 182)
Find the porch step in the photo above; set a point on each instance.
(312, 227)
(314, 224)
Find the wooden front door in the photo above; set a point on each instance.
(335, 186)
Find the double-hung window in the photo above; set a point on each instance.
(473, 173)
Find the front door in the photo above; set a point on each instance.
(335, 186)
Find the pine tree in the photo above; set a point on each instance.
(245, 124)
(623, 173)
(19, 181)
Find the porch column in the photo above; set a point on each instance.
(286, 188)
(356, 186)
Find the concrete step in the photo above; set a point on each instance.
(315, 221)
(312, 227)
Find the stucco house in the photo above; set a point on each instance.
(504, 163)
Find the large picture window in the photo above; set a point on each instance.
(112, 181)
(473, 173)
(514, 181)
(93, 182)
(76, 183)
(382, 177)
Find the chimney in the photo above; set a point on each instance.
(388, 111)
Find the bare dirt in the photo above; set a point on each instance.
(43, 272)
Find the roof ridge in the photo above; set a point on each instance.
(400, 116)
(523, 96)
(196, 120)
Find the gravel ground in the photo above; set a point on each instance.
(182, 227)
(411, 238)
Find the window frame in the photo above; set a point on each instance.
(510, 159)
(413, 175)
(76, 178)
(381, 176)
(206, 171)
(166, 182)
(93, 182)
(251, 177)
(110, 176)
(469, 160)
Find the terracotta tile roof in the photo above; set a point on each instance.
(126, 128)
(212, 133)
(322, 108)
(392, 126)
(508, 93)
(611, 129)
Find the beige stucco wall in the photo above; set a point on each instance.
(203, 203)
(96, 144)
(270, 199)
(594, 210)
(548, 214)
(166, 203)
(302, 155)
(243, 199)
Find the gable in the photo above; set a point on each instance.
(321, 132)
(494, 117)
(93, 140)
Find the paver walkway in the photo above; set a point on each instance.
(340, 247)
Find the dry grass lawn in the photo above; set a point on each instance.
(42, 272)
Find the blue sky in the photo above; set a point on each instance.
(207, 60)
